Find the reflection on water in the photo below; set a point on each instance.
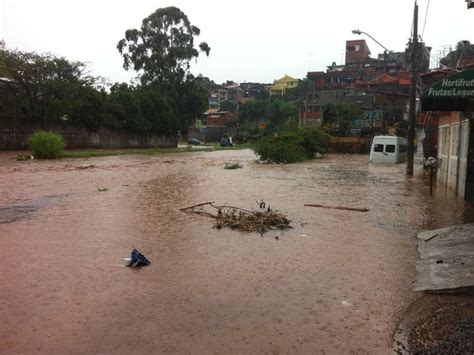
(336, 282)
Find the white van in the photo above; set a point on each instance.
(388, 149)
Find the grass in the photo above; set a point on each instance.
(91, 153)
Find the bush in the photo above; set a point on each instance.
(314, 141)
(280, 148)
(292, 145)
(46, 145)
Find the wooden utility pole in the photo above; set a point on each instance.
(413, 84)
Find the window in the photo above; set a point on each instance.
(390, 148)
(378, 148)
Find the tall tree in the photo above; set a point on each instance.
(161, 51)
(162, 48)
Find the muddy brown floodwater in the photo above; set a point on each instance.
(338, 282)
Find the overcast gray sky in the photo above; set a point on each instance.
(256, 41)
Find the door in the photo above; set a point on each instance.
(469, 194)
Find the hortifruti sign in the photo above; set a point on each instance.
(455, 93)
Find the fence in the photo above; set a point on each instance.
(15, 132)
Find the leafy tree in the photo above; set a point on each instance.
(190, 102)
(42, 86)
(205, 83)
(162, 48)
(158, 111)
(279, 111)
(262, 95)
(228, 106)
(252, 111)
(124, 111)
(341, 115)
(87, 108)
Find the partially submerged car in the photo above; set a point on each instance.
(388, 149)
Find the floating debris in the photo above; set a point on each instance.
(232, 166)
(102, 189)
(24, 157)
(340, 208)
(237, 218)
(137, 259)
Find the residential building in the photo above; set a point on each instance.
(281, 86)
(383, 81)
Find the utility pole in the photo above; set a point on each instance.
(412, 111)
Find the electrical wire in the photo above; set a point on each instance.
(426, 17)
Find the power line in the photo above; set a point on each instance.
(426, 17)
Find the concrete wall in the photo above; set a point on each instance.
(358, 145)
(448, 141)
(14, 133)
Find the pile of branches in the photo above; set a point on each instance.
(233, 217)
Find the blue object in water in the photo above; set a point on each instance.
(138, 259)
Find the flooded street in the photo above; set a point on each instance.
(338, 282)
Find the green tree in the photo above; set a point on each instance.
(205, 83)
(42, 86)
(279, 111)
(124, 111)
(161, 51)
(162, 48)
(228, 106)
(190, 102)
(158, 111)
(340, 116)
(253, 111)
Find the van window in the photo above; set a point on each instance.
(378, 148)
(390, 148)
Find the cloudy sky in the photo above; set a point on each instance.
(256, 41)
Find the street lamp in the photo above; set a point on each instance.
(359, 32)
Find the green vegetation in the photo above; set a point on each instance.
(292, 144)
(274, 112)
(166, 99)
(228, 106)
(340, 116)
(46, 145)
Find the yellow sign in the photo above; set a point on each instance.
(262, 125)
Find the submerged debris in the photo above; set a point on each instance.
(237, 218)
(24, 157)
(232, 166)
